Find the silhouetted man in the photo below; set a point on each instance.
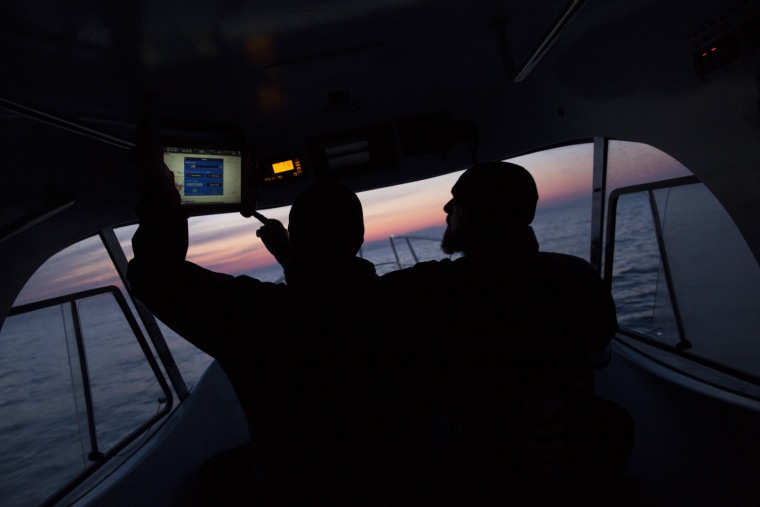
(501, 330)
(303, 357)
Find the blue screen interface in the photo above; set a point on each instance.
(204, 176)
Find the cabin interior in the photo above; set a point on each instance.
(424, 88)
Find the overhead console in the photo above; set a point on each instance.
(354, 152)
(369, 154)
(217, 171)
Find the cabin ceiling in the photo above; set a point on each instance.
(271, 66)
(281, 68)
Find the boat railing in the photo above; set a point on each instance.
(404, 252)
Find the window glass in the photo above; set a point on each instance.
(40, 431)
(564, 177)
(84, 265)
(682, 274)
(631, 163)
(76, 385)
(638, 285)
(44, 415)
(125, 392)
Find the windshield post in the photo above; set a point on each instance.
(599, 190)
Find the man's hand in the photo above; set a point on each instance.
(162, 234)
(275, 237)
(159, 194)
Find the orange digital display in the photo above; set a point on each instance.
(283, 167)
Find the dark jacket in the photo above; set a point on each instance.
(548, 309)
(305, 360)
(497, 331)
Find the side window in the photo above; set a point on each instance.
(79, 380)
(635, 266)
(681, 273)
(79, 384)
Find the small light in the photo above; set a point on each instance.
(284, 166)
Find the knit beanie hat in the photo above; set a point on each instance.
(326, 218)
(497, 193)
